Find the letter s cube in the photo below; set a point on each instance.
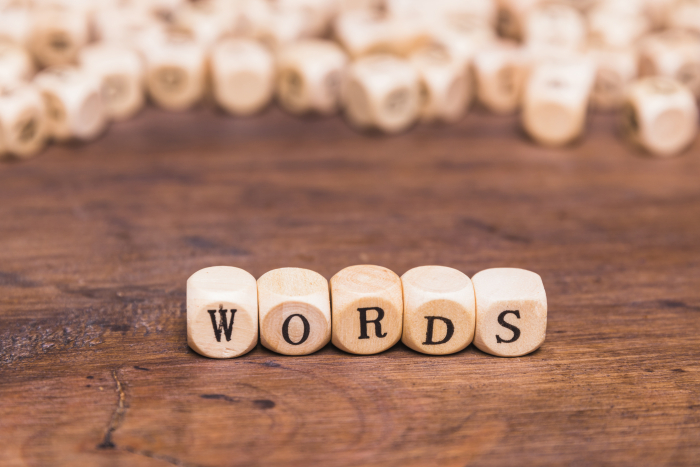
(511, 311)
(222, 312)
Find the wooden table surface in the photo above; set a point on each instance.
(99, 239)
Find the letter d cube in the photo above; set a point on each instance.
(222, 312)
(511, 311)
(367, 309)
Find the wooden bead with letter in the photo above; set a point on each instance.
(446, 87)
(553, 28)
(660, 115)
(295, 311)
(555, 101)
(309, 75)
(672, 53)
(58, 33)
(15, 64)
(367, 309)
(616, 69)
(501, 72)
(243, 74)
(175, 70)
(511, 311)
(73, 103)
(382, 91)
(22, 120)
(222, 312)
(120, 72)
(439, 310)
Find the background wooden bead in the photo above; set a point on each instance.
(610, 26)
(15, 23)
(58, 33)
(295, 311)
(243, 74)
(367, 309)
(685, 14)
(660, 115)
(15, 64)
(672, 53)
(222, 312)
(556, 100)
(439, 310)
(446, 87)
(309, 75)
(120, 72)
(175, 70)
(512, 15)
(554, 28)
(22, 120)
(501, 72)
(73, 103)
(382, 91)
(511, 311)
(616, 69)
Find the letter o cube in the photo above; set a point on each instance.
(222, 312)
(511, 311)
(439, 310)
(295, 311)
(367, 309)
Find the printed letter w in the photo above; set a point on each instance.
(222, 323)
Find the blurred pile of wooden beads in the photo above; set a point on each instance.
(69, 67)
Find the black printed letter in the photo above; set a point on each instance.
(429, 333)
(364, 321)
(222, 323)
(502, 322)
(285, 329)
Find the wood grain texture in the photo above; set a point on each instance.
(98, 241)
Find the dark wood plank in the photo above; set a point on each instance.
(99, 239)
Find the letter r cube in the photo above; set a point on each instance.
(511, 311)
(367, 309)
(222, 312)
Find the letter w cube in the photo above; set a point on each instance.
(222, 312)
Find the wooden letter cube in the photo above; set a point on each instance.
(511, 311)
(553, 28)
(672, 53)
(439, 310)
(556, 101)
(295, 311)
(120, 72)
(243, 73)
(309, 74)
(382, 91)
(58, 33)
(222, 312)
(446, 88)
(367, 309)
(175, 70)
(501, 72)
(73, 103)
(15, 64)
(22, 120)
(660, 115)
(616, 69)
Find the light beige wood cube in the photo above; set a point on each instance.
(616, 69)
(446, 87)
(175, 70)
(439, 316)
(243, 74)
(284, 25)
(512, 16)
(672, 53)
(15, 23)
(57, 35)
(501, 72)
(511, 311)
(660, 115)
(121, 25)
(364, 32)
(610, 27)
(382, 92)
(555, 27)
(120, 72)
(207, 21)
(222, 312)
(73, 103)
(555, 101)
(22, 120)
(16, 64)
(367, 309)
(295, 311)
(684, 14)
(309, 74)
